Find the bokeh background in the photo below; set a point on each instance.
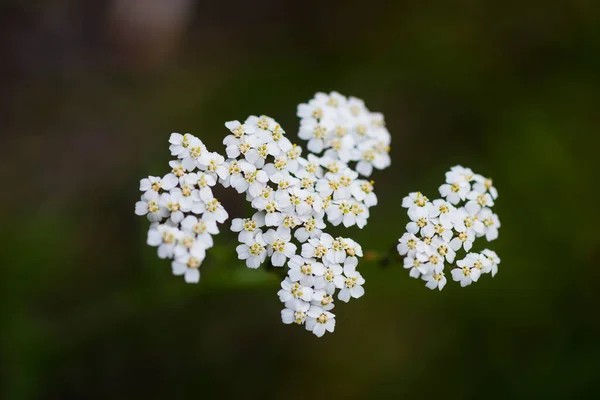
(90, 92)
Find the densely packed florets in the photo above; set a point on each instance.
(293, 197)
(441, 228)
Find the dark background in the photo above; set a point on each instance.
(90, 92)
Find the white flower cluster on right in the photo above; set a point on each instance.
(442, 227)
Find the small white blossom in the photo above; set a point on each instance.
(494, 261)
(248, 227)
(490, 222)
(305, 270)
(319, 321)
(150, 205)
(417, 265)
(350, 284)
(435, 280)
(467, 271)
(203, 229)
(279, 246)
(188, 265)
(294, 295)
(165, 238)
(254, 252)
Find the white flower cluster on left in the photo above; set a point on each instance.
(181, 206)
(442, 227)
(293, 198)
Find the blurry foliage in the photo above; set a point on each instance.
(510, 89)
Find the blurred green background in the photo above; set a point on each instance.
(90, 93)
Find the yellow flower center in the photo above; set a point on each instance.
(194, 263)
(200, 227)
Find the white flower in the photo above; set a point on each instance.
(478, 201)
(254, 252)
(417, 265)
(188, 265)
(245, 146)
(310, 167)
(319, 321)
(494, 261)
(294, 295)
(459, 174)
(435, 280)
(284, 181)
(443, 249)
(150, 205)
(314, 109)
(341, 212)
(253, 180)
(322, 299)
(456, 191)
(154, 183)
(465, 222)
(372, 156)
(444, 211)
(316, 133)
(216, 167)
(186, 241)
(247, 227)
(441, 230)
(363, 191)
(260, 125)
(336, 253)
(203, 181)
(289, 315)
(408, 244)
(466, 273)
(165, 238)
(273, 208)
(341, 145)
(490, 222)
(326, 282)
(238, 130)
(176, 204)
(179, 143)
(414, 201)
(278, 141)
(464, 240)
(233, 175)
(195, 155)
(298, 203)
(351, 283)
(304, 270)
(421, 222)
(436, 253)
(279, 246)
(215, 211)
(203, 229)
(483, 185)
(353, 249)
(293, 158)
(312, 228)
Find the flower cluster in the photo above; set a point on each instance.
(293, 198)
(346, 130)
(181, 206)
(442, 227)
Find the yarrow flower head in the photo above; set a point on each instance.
(441, 228)
(294, 197)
